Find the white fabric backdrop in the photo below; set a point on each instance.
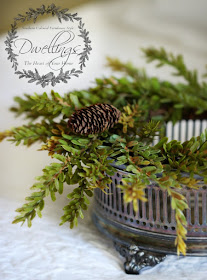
(47, 251)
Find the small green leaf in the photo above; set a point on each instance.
(39, 212)
(86, 200)
(81, 214)
(60, 187)
(53, 197)
(59, 157)
(29, 223)
(74, 100)
(89, 193)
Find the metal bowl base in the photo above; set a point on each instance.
(140, 248)
(136, 258)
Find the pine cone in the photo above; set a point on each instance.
(94, 119)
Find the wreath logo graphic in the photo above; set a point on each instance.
(49, 78)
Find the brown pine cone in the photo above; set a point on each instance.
(94, 119)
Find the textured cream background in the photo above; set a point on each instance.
(47, 251)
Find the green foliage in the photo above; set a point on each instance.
(48, 184)
(78, 203)
(29, 134)
(133, 190)
(130, 117)
(148, 131)
(116, 65)
(162, 100)
(190, 156)
(176, 62)
(89, 161)
(48, 108)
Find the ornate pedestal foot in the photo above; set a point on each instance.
(136, 258)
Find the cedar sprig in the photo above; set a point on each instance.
(41, 105)
(167, 58)
(28, 134)
(50, 182)
(149, 131)
(172, 100)
(179, 204)
(189, 156)
(127, 68)
(51, 106)
(78, 203)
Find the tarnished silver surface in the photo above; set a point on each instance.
(152, 229)
(156, 214)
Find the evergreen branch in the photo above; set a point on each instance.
(49, 107)
(179, 204)
(78, 202)
(29, 210)
(177, 62)
(183, 98)
(41, 105)
(148, 131)
(28, 134)
(189, 157)
(49, 183)
(181, 223)
(24, 107)
(5, 134)
(128, 68)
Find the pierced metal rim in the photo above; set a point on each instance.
(149, 241)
